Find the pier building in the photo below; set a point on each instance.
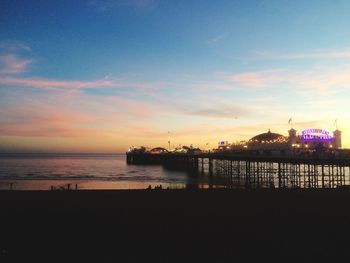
(311, 139)
(315, 138)
(268, 141)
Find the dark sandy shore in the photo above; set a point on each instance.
(175, 225)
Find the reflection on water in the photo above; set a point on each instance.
(90, 171)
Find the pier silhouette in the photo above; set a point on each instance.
(256, 170)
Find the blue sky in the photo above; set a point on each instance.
(101, 75)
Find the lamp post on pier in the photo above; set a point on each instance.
(169, 140)
(208, 149)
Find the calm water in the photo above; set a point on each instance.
(88, 171)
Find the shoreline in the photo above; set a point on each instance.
(82, 184)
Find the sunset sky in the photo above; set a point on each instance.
(103, 75)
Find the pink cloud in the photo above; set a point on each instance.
(45, 121)
(259, 79)
(321, 79)
(324, 81)
(59, 114)
(51, 131)
(11, 64)
(47, 84)
(39, 120)
(136, 108)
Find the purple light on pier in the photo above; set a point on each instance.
(316, 134)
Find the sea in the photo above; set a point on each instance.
(48, 171)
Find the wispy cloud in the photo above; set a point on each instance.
(105, 5)
(314, 54)
(219, 111)
(52, 84)
(226, 81)
(214, 86)
(11, 64)
(259, 79)
(322, 79)
(14, 46)
(214, 40)
(48, 84)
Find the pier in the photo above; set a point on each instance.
(243, 170)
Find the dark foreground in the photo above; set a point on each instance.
(175, 225)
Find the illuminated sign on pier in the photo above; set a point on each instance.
(316, 134)
(223, 143)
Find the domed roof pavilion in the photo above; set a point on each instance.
(268, 137)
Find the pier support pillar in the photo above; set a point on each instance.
(210, 166)
(279, 176)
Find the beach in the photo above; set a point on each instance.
(170, 225)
